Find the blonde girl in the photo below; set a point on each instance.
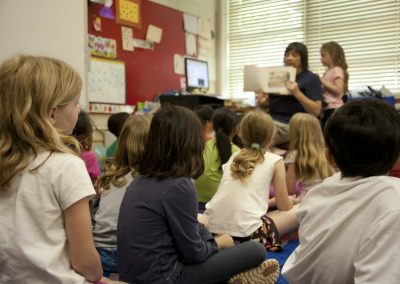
(306, 162)
(119, 174)
(335, 79)
(239, 208)
(45, 225)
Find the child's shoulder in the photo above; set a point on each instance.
(52, 162)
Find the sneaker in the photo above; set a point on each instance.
(266, 273)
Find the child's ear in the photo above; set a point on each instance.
(53, 116)
(330, 158)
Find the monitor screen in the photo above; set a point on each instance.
(196, 74)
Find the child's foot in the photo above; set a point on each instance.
(266, 273)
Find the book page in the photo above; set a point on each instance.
(271, 80)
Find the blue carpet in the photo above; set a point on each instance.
(281, 256)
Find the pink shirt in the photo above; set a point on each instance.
(334, 101)
(92, 165)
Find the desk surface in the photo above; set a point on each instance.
(192, 101)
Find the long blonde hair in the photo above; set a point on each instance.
(256, 130)
(307, 139)
(130, 149)
(30, 88)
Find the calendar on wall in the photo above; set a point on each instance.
(106, 82)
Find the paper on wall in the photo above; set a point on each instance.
(154, 34)
(205, 28)
(127, 39)
(190, 24)
(179, 64)
(205, 43)
(191, 47)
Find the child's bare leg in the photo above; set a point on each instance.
(285, 221)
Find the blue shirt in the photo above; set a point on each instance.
(158, 231)
(283, 107)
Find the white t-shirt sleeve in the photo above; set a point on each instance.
(72, 182)
(379, 258)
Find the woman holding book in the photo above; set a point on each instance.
(306, 93)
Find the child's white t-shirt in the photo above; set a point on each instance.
(33, 240)
(237, 207)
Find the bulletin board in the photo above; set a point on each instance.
(148, 72)
(107, 81)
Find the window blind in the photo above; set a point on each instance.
(258, 33)
(368, 30)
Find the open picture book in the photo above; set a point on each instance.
(269, 80)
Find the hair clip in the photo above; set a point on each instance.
(255, 146)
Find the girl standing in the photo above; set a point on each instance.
(119, 174)
(45, 226)
(306, 162)
(159, 237)
(239, 208)
(335, 79)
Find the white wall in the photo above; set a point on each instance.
(55, 28)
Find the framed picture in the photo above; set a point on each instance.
(128, 12)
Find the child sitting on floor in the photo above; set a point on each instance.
(119, 174)
(306, 163)
(159, 238)
(349, 223)
(83, 132)
(239, 207)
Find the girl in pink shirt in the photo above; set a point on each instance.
(335, 79)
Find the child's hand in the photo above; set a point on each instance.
(224, 241)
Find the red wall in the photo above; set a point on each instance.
(148, 72)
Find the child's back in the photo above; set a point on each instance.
(33, 236)
(45, 230)
(349, 224)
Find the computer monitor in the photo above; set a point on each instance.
(196, 74)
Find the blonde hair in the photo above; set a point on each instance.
(256, 130)
(338, 58)
(130, 149)
(307, 139)
(30, 88)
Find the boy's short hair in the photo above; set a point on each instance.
(363, 137)
(116, 121)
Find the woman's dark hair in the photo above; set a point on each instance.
(363, 137)
(224, 122)
(176, 144)
(83, 131)
(116, 121)
(300, 49)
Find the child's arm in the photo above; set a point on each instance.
(281, 193)
(83, 255)
(337, 87)
(291, 178)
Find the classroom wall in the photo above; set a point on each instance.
(45, 27)
(151, 72)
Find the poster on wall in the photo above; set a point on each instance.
(101, 46)
(128, 12)
(106, 81)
